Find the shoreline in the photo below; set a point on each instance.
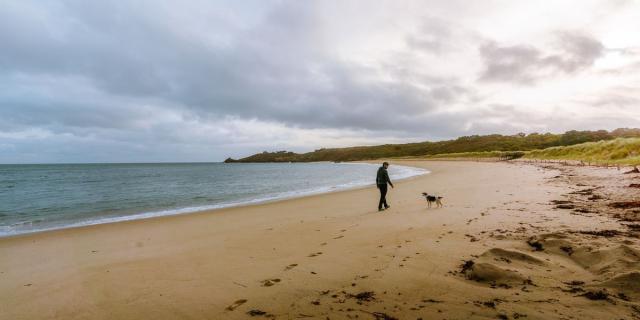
(214, 207)
(498, 248)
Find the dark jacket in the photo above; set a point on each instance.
(383, 177)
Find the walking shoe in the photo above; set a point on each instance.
(380, 209)
(387, 207)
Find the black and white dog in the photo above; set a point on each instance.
(431, 199)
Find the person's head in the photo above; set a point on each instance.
(385, 164)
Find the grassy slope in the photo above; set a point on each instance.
(489, 146)
(466, 155)
(461, 146)
(618, 151)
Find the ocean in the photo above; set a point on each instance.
(54, 196)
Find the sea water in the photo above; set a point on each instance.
(53, 196)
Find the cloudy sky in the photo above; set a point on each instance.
(200, 80)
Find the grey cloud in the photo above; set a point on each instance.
(510, 64)
(277, 70)
(617, 100)
(134, 76)
(64, 104)
(434, 36)
(438, 36)
(580, 50)
(525, 64)
(509, 119)
(628, 69)
(629, 51)
(613, 100)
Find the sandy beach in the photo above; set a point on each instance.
(513, 241)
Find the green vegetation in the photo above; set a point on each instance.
(466, 155)
(618, 151)
(624, 151)
(469, 146)
(479, 155)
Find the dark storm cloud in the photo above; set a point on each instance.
(526, 64)
(62, 104)
(277, 70)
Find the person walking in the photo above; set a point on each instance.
(382, 178)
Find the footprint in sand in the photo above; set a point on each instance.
(269, 282)
(259, 313)
(236, 304)
(314, 254)
(291, 266)
(338, 237)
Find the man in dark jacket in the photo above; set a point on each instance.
(381, 181)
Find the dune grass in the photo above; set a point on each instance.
(624, 151)
(468, 155)
(475, 146)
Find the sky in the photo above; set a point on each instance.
(200, 80)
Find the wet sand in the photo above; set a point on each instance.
(513, 241)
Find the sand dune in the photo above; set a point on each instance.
(501, 248)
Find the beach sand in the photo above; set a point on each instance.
(500, 248)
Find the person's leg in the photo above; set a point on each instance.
(383, 193)
(384, 199)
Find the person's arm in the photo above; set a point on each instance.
(387, 177)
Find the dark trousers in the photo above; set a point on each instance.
(383, 195)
